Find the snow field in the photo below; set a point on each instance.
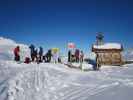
(48, 81)
(57, 82)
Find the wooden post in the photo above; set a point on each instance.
(97, 61)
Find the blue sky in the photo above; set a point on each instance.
(54, 23)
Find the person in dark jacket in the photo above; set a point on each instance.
(27, 60)
(93, 62)
(40, 54)
(16, 53)
(49, 55)
(35, 53)
(81, 56)
(69, 56)
(77, 52)
(45, 57)
(32, 52)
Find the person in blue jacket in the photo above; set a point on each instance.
(32, 52)
(40, 54)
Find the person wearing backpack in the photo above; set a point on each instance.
(32, 52)
(40, 54)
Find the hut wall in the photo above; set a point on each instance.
(109, 58)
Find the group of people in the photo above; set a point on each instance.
(37, 55)
(76, 56)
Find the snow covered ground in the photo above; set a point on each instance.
(48, 81)
(58, 82)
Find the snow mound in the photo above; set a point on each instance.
(128, 55)
(108, 46)
(4, 41)
(7, 46)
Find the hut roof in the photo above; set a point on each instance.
(108, 46)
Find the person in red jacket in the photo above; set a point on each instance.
(27, 60)
(16, 53)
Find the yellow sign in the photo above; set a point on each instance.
(55, 50)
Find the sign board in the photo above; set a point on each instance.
(71, 45)
(55, 50)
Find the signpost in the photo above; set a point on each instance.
(55, 50)
(71, 47)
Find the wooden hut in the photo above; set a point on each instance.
(108, 54)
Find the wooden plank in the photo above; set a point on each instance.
(72, 66)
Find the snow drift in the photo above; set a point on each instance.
(128, 54)
(7, 46)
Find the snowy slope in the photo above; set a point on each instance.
(7, 46)
(58, 82)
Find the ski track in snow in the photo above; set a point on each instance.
(56, 82)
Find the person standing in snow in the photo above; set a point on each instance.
(27, 60)
(16, 53)
(77, 52)
(81, 56)
(69, 56)
(49, 55)
(98, 66)
(32, 52)
(55, 57)
(36, 55)
(40, 54)
(59, 59)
